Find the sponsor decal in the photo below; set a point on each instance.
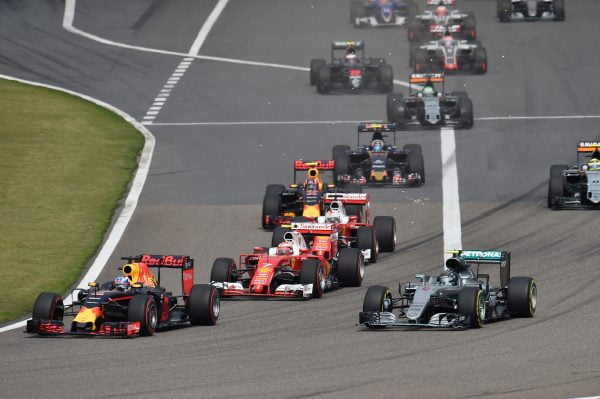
(481, 254)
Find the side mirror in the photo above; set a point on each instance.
(331, 186)
(420, 277)
(293, 186)
(93, 284)
(137, 285)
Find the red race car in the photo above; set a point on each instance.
(294, 268)
(133, 304)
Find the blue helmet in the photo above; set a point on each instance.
(122, 283)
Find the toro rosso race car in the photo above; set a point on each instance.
(449, 55)
(459, 297)
(518, 10)
(434, 22)
(135, 304)
(293, 267)
(350, 71)
(577, 187)
(378, 163)
(381, 12)
(426, 107)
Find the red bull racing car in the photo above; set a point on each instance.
(134, 304)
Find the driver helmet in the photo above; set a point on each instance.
(377, 145)
(122, 283)
(334, 213)
(311, 185)
(428, 90)
(446, 279)
(285, 248)
(441, 11)
(351, 57)
(594, 164)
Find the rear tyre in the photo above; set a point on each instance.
(48, 306)
(559, 10)
(416, 164)
(414, 148)
(395, 110)
(204, 305)
(323, 80)
(277, 237)
(366, 239)
(521, 297)
(142, 309)
(466, 113)
(472, 305)
(385, 231)
(315, 65)
(555, 184)
(414, 30)
(223, 270)
(312, 272)
(504, 11)
(386, 78)
(350, 267)
(271, 208)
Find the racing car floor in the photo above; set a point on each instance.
(203, 194)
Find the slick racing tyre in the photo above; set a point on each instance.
(521, 297)
(378, 298)
(414, 30)
(324, 80)
(356, 11)
(386, 78)
(315, 65)
(271, 208)
(472, 305)
(341, 162)
(413, 48)
(223, 271)
(204, 305)
(469, 29)
(312, 272)
(415, 148)
(142, 308)
(395, 110)
(385, 231)
(274, 189)
(466, 113)
(504, 10)
(480, 60)
(366, 239)
(416, 164)
(48, 306)
(559, 10)
(350, 267)
(555, 184)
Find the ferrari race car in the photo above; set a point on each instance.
(283, 205)
(378, 163)
(429, 108)
(139, 306)
(448, 55)
(577, 186)
(457, 298)
(434, 22)
(293, 267)
(515, 10)
(381, 12)
(350, 70)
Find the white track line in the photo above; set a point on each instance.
(450, 199)
(130, 201)
(501, 118)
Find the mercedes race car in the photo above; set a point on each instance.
(139, 305)
(294, 267)
(378, 163)
(426, 107)
(434, 22)
(448, 55)
(381, 12)
(577, 187)
(350, 71)
(519, 10)
(459, 297)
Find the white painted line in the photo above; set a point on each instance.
(188, 59)
(206, 28)
(262, 123)
(155, 108)
(146, 123)
(177, 74)
(450, 199)
(149, 117)
(500, 118)
(169, 86)
(131, 200)
(589, 397)
(160, 100)
(152, 112)
(165, 90)
(163, 95)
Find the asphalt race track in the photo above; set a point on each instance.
(205, 186)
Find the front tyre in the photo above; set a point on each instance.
(204, 305)
(312, 272)
(48, 306)
(366, 239)
(555, 184)
(472, 305)
(142, 309)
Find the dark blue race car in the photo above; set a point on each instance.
(381, 12)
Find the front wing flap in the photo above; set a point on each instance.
(122, 329)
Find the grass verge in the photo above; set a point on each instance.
(64, 165)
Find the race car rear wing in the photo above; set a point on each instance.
(347, 198)
(590, 148)
(422, 78)
(313, 165)
(377, 128)
(312, 228)
(490, 257)
(441, 2)
(346, 44)
(183, 262)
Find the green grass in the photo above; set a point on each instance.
(64, 165)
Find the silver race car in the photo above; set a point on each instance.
(577, 187)
(459, 297)
(515, 10)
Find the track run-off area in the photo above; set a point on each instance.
(223, 88)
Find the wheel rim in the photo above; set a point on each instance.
(216, 305)
(361, 267)
(532, 298)
(480, 309)
(321, 279)
(394, 242)
(153, 317)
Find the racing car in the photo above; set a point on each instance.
(139, 305)
(448, 55)
(292, 268)
(577, 187)
(381, 12)
(282, 205)
(427, 107)
(519, 10)
(350, 71)
(434, 22)
(378, 163)
(459, 297)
